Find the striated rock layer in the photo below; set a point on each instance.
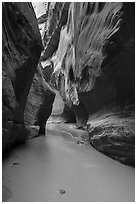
(21, 49)
(56, 17)
(80, 54)
(94, 69)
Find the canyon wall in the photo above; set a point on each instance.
(21, 50)
(39, 102)
(93, 60)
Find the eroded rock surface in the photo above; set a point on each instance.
(39, 101)
(77, 62)
(21, 49)
(114, 135)
(89, 56)
(50, 25)
(94, 70)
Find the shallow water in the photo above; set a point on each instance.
(39, 169)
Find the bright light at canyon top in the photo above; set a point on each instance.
(39, 8)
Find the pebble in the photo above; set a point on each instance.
(15, 164)
(62, 191)
(80, 142)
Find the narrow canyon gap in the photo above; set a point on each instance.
(68, 103)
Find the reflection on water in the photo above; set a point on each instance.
(56, 168)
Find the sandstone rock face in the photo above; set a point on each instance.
(114, 135)
(50, 24)
(112, 98)
(39, 101)
(56, 18)
(21, 49)
(94, 69)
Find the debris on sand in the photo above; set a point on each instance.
(62, 191)
(15, 164)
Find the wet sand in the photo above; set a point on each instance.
(39, 169)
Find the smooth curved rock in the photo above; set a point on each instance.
(113, 95)
(114, 136)
(21, 49)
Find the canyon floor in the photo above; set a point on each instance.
(56, 167)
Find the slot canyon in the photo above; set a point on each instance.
(68, 102)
